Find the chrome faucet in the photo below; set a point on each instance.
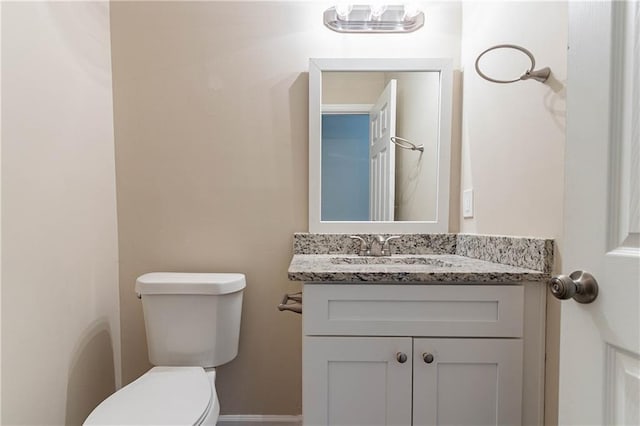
(383, 244)
(374, 245)
(365, 245)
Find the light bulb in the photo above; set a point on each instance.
(343, 10)
(411, 10)
(377, 9)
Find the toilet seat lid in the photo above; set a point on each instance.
(162, 396)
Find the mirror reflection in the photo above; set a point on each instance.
(364, 175)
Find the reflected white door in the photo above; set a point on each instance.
(600, 342)
(382, 158)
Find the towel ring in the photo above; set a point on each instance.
(540, 75)
(403, 143)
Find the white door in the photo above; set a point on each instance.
(351, 381)
(474, 382)
(382, 158)
(600, 342)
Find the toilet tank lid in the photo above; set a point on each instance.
(189, 283)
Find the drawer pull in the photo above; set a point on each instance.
(401, 357)
(427, 357)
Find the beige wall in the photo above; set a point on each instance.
(60, 319)
(352, 87)
(211, 127)
(211, 118)
(513, 135)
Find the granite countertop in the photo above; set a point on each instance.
(423, 258)
(446, 268)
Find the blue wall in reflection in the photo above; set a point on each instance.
(345, 167)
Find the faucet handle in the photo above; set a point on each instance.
(365, 245)
(386, 249)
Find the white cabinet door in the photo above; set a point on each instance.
(468, 382)
(350, 381)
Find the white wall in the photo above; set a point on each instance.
(418, 121)
(513, 135)
(60, 316)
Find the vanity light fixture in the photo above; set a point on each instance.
(373, 18)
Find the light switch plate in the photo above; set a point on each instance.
(467, 203)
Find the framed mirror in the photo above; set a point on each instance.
(379, 145)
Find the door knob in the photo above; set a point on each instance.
(580, 285)
(401, 357)
(427, 357)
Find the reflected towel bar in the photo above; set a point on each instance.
(403, 143)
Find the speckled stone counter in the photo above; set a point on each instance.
(423, 258)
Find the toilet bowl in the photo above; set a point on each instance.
(192, 324)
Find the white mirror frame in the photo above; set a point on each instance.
(316, 67)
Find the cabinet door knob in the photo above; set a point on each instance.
(401, 357)
(427, 357)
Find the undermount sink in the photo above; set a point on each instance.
(388, 260)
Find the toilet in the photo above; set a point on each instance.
(192, 323)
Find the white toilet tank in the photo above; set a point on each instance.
(191, 319)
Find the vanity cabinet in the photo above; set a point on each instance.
(387, 381)
(400, 354)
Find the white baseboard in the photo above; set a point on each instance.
(258, 419)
